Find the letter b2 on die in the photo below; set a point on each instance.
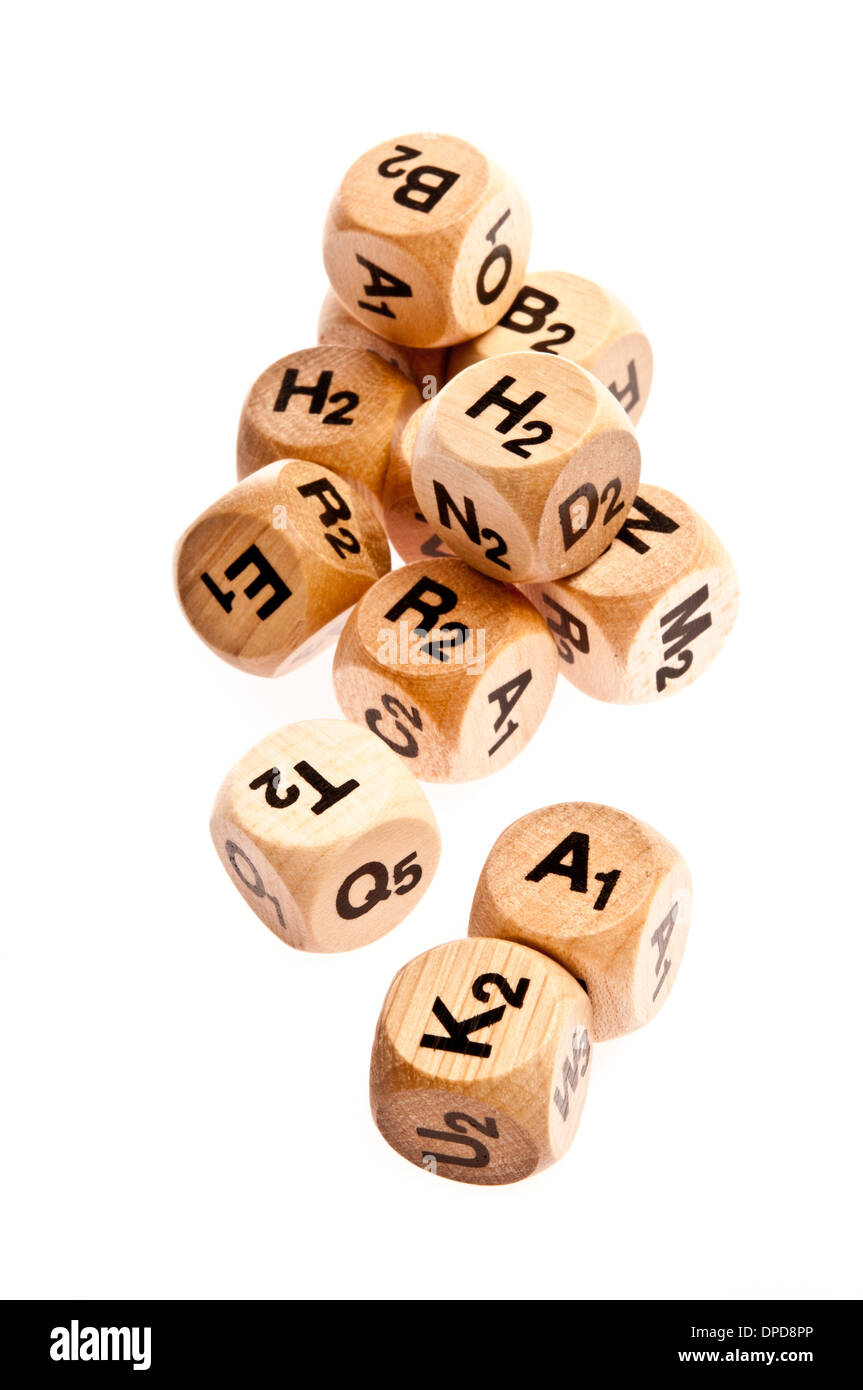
(426, 240)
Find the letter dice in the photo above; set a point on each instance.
(650, 614)
(326, 835)
(600, 892)
(451, 670)
(526, 466)
(426, 241)
(338, 406)
(423, 366)
(266, 574)
(481, 1061)
(406, 526)
(573, 318)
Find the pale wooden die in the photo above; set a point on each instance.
(338, 406)
(603, 894)
(267, 574)
(425, 367)
(526, 466)
(481, 1061)
(426, 241)
(451, 670)
(406, 525)
(567, 316)
(648, 616)
(326, 835)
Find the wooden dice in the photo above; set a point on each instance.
(526, 466)
(650, 614)
(567, 316)
(326, 835)
(449, 669)
(485, 419)
(426, 241)
(481, 1061)
(266, 574)
(425, 367)
(337, 406)
(600, 892)
(406, 526)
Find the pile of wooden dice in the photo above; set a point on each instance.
(481, 419)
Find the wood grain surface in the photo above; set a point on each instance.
(426, 241)
(326, 835)
(481, 1061)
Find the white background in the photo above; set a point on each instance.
(184, 1099)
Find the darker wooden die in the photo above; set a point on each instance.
(267, 574)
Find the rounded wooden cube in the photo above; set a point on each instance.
(603, 894)
(526, 466)
(426, 240)
(338, 406)
(451, 670)
(266, 575)
(648, 616)
(481, 1061)
(566, 316)
(425, 367)
(326, 835)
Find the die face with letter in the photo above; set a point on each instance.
(338, 406)
(648, 616)
(265, 575)
(425, 367)
(326, 835)
(600, 892)
(526, 466)
(481, 1061)
(426, 240)
(566, 316)
(451, 670)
